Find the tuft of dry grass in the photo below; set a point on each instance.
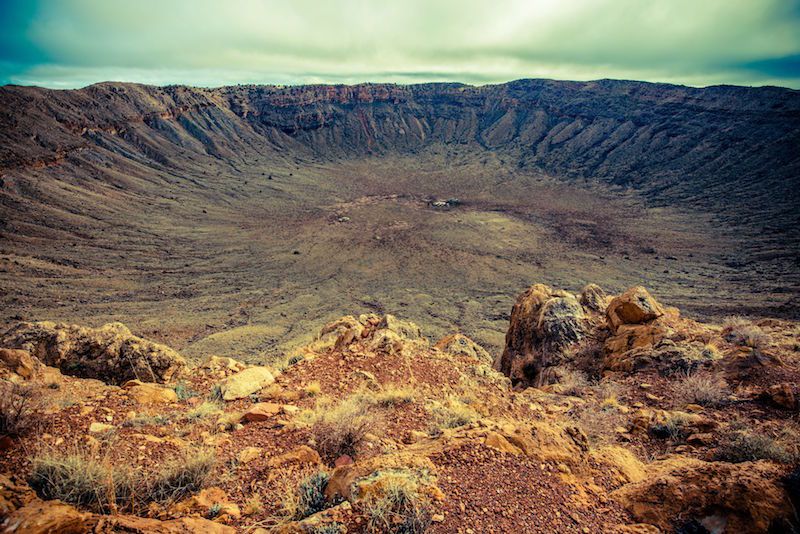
(313, 389)
(743, 332)
(572, 382)
(741, 443)
(391, 396)
(452, 412)
(94, 482)
(339, 429)
(17, 406)
(706, 389)
(399, 507)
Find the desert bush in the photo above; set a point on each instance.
(94, 482)
(313, 389)
(744, 445)
(179, 477)
(705, 389)
(675, 428)
(340, 429)
(399, 507)
(77, 477)
(184, 391)
(146, 420)
(307, 498)
(16, 410)
(392, 396)
(572, 382)
(451, 413)
(600, 424)
(202, 411)
(743, 332)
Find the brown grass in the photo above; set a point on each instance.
(743, 332)
(340, 429)
(17, 406)
(705, 389)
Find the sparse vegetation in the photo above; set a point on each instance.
(94, 482)
(674, 428)
(313, 389)
(744, 332)
(398, 506)
(185, 392)
(392, 396)
(16, 410)
(451, 413)
(339, 429)
(705, 389)
(202, 411)
(743, 444)
(572, 382)
(146, 420)
(307, 498)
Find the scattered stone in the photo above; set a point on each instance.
(261, 411)
(148, 393)
(248, 454)
(100, 428)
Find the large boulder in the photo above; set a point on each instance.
(110, 353)
(635, 306)
(543, 324)
(745, 498)
(245, 383)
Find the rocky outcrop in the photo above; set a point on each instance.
(544, 322)
(461, 345)
(635, 306)
(110, 353)
(743, 498)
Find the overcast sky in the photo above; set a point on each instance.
(72, 43)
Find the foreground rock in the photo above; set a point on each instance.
(544, 322)
(743, 498)
(110, 353)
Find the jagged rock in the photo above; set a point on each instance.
(341, 332)
(261, 411)
(245, 383)
(781, 395)
(593, 298)
(543, 323)
(19, 362)
(110, 353)
(46, 517)
(635, 306)
(459, 344)
(747, 497)
(405, 329)
(147, 393)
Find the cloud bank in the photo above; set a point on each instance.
(72, 43)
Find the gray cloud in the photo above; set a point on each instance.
(203, 42)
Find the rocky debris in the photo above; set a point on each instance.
(543, 324)
(664, 355)
(223, 363)
(634, 306)
(341, 332)
(743, 498)
(208, 499)
(148, 393)
(245, 383)
(110, 353)
(461, 345)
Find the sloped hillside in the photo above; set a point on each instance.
(601, 415)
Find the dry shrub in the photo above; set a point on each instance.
(94, 482)
(740, 443)
(400, 507)
(451, 413)
(706, 389)
(599, 423)
(340, 429)
(572, 382)
(17, 406)
(307, 498)
(744, 332)
(391, 396)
